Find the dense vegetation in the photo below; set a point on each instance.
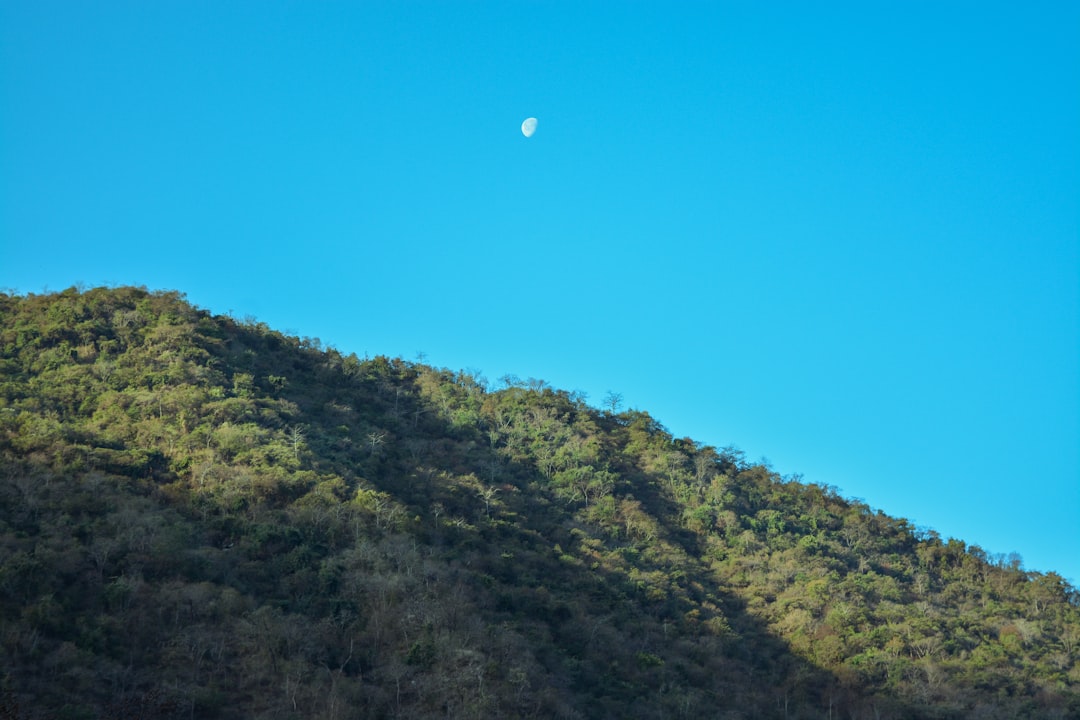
(201, 517)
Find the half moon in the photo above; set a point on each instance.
(528, 127)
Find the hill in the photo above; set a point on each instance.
(201, 517)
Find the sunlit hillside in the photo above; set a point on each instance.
(201, 517)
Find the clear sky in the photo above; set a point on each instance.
(842, 236)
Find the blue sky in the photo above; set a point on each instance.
(842, 236)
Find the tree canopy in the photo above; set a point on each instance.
(205, 517)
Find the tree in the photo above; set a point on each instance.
(296, 439)
(612, 401)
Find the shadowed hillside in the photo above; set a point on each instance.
(207, 518)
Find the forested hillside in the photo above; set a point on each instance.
(207, 518)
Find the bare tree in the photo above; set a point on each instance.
(613, 401)
(296, 438)
(375, 439)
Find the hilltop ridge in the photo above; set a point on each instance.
(206, 517)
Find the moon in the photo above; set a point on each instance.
(528, 127)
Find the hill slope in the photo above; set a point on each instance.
(206, 518)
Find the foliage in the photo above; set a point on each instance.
(205, 517)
